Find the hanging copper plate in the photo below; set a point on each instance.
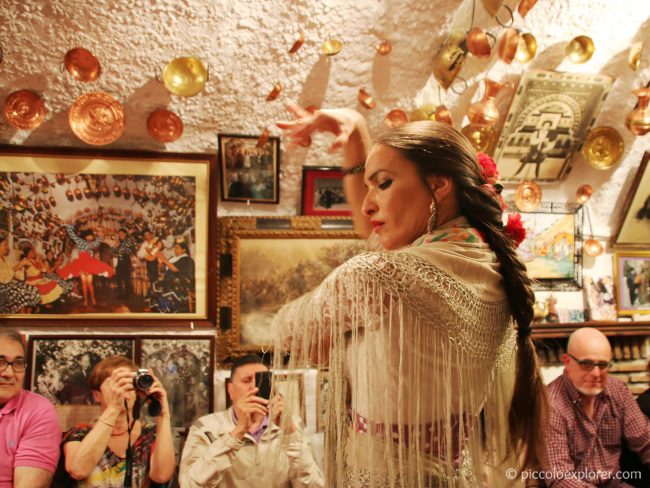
(580, 49)
(395, 118)
(24, 109)
(164, 126)
(528, 196)
(97, 118)
(384, 48)
(443, 115)
(82, 64)
(480, 136)
(583, 194)
(274, 93)
(298, 44)
(366, 100)
(603, 147)
(263, 138)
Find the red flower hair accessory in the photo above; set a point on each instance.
(515, 229)
(488, 168)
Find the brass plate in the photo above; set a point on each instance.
(97, 118)
(185, 76)
(480, 136)
(603, 147)
(164, 126)
(24, 109)
(528, 196)
(82, 64)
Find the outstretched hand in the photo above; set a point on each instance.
(341, 122)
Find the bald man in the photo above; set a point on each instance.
(591, 415)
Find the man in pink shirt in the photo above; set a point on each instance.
(30, 433)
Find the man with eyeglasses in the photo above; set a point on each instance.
(591, 415)
(30, 433)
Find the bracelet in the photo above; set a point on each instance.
(359, 168)
(105, 422)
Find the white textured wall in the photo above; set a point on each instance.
(245, 45)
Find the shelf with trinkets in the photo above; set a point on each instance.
(552, 330)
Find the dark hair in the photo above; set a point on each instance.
(86, 232)
(243, 361)
(123, 229)
(13, 335)
(184, 246)
(436, 148)
(25, 248)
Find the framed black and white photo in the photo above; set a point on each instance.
(185, 367)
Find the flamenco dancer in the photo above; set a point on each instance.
(85, 265)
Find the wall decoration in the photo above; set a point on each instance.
(634, 228)
(552, 249)
(185, 367)
(548, 120)
(322, 390)
(256, 254)
(108, 236)
(600, 297)
(60, 366)
(322, 191)
(632, 277)
(292, 388)
(249, 169)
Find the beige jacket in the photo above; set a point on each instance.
(213, 458)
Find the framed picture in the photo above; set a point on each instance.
(249, 168)
(115, 237)
(256, 254)
(548, 120)
(632, 276)
(600, 297)
(552, 250)
(60, 367)
(292, 388)
(322, 390)
(185, 367)
(322, 191)
(634, 229)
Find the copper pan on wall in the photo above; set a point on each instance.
(164, 126)
(24, 109)
(97, 118)
(82, 64)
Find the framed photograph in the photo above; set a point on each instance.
(256, 254)
(292, 388)
(322, 191)
(249, 168)
(600, 297)
(552, 249)
(548, 120)
(114, 237)
(185, 367)
(60, 367)
(634, 228)
(632, 276)
(322, 390)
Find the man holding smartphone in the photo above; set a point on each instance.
(249, 444)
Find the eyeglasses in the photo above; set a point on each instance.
(17, 364)
(588, 365)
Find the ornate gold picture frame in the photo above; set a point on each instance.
(267, 262)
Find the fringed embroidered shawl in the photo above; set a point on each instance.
(420, 347)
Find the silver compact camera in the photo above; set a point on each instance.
(142, 380)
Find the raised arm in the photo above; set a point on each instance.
(352, 135)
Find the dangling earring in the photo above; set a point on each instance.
(433, 219)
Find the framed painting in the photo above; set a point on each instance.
(255, 254)
(552, 250)
(322, 191)
(60, 367)
(185, 367)
(114, 237)
(250, 168)
(632, 277)
(600, 297)
(292, 388)
(634, 228)
(548, 120)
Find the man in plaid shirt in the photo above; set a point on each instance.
(591, 414)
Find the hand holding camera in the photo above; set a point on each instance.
(156, 397)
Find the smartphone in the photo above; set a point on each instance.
(263, 382)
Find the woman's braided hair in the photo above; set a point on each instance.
(437, 148)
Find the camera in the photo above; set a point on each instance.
(142, 380)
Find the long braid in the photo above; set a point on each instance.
(439, 149)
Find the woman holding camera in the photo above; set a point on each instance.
(103, 454)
